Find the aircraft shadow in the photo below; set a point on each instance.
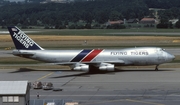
(31, 70)
(87, 74)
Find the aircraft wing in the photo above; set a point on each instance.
(101, 65)
(118, 62)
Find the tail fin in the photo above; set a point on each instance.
(21, 40)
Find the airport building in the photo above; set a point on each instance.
(14, 93)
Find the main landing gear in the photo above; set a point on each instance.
(156, 69)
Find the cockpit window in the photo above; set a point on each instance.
(163, 49)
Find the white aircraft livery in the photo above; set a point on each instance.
(88, 59)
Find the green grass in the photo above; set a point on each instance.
(102, 32)
(96, 32)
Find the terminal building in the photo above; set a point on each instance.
(14, 93)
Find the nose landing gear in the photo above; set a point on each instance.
(156, 69)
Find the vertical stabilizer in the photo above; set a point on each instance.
(21, 40)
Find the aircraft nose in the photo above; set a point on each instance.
(170, 57)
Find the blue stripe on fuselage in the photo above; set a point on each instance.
(80, 56)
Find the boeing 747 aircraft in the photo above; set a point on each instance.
(86, 59)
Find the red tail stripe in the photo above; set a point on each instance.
(91, 56)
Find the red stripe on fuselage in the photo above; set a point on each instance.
(91, 56)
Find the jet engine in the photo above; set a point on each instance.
(106, 66)
(82, 67)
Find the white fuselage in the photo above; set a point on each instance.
(129, 56)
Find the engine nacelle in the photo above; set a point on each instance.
(82, 67)
(106, 66)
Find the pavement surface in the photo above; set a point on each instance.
(123, 87)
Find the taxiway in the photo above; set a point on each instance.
(123, 87)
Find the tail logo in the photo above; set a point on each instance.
(22, 38)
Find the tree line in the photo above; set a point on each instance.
(91, 12)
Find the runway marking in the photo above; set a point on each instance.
(45, 76)
(150, 103)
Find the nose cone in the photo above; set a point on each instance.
(170, 57)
